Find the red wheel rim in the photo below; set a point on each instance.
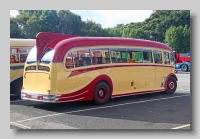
(171, 85)
(102, 93)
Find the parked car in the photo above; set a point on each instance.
(184, 66)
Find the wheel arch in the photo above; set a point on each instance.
(107, 80)
(170, 75)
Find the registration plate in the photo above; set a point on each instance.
(34, 96)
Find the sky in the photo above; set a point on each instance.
(109, 18)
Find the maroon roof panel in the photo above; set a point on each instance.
(45, 40)
(63, 42)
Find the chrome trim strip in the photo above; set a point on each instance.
(38, 93)
(71, 100)
(74, 95)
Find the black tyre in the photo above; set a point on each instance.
(101, 93)
(184, 67)
(171, 85)
(15, 87)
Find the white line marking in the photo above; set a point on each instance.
(20, 125)
(17, 101)
(179, 127)
(99, 108)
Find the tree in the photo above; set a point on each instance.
(139, 33)
(69, 23)
(90, 28)
(178, 38)
(15, 31)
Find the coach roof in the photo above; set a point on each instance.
(63, 42)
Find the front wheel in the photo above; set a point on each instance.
(101, 93)
(184, 67)
(171, 85)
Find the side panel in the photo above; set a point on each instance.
(159, 77)
(62, 84)
(121, 79)
(150, 77)
(138, 78)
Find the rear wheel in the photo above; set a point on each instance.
(171, 85)
(184, 67)
(101, 93)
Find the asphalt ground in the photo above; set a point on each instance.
(148, 111)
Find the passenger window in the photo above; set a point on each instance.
(14, 58)
(172, 59)
(19, 55)
(166, 58)
(23, 58)
(78, 58)
(100, 56)
(118, 55)
(147, 56)
(70, 60)
(134, 55)
(157, 56)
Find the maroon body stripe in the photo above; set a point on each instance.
(86, 93)
(80, 71)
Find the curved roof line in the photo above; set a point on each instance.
(63, 42)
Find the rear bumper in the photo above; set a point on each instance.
(40, 97)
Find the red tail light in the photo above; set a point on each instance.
(40, 97)
(28, 96)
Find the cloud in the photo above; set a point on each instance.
(13, 13)
(110, 18)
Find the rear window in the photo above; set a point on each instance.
(32, 56)
(47, 58)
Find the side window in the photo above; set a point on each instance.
(147, 56)
(70, 60)
(166, 58)
(172, 59)
(78, 58)
(157, 56)
(23, 58)
(134, 55)
(19, 55)
(118, 55)
(100, 56)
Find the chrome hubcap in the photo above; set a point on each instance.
(171, 85)
(101, 93)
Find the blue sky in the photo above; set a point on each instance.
(109, 18)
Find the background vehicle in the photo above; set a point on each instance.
(19, 49)
(182, 61)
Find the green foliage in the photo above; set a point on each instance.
(15, 31)
(178, 38)
(90, 28)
